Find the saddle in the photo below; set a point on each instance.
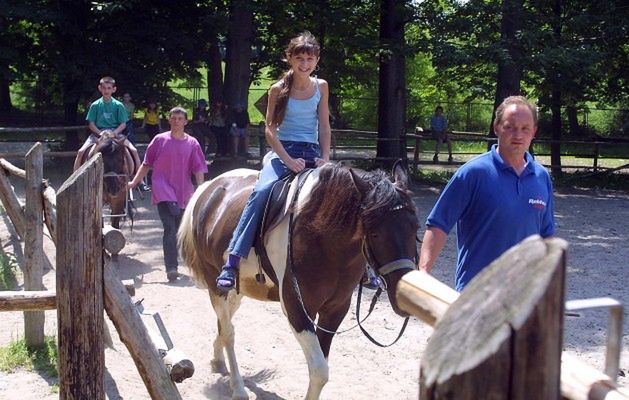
(277, 206)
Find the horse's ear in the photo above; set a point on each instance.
(400, 174)
(360, 184)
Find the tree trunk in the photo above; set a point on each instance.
(555, 132)
(5, 95)
(214, 71)
(239, 39)
(392, 83)
(509, 68)
(555, 100)
(573, 122)
(71, 95)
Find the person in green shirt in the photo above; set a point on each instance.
(107, 113)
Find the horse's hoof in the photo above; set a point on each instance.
(219, 367)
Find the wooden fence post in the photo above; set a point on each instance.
(34, 243)
(505, 330)
(80, 284)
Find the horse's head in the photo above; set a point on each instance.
(113, 152)
(389, 224)
(114, 173)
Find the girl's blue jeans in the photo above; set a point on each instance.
(274, 170)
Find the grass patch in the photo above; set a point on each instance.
(41, 359)
(432, 176)
(8, 271)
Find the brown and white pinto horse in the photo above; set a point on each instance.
(117, 171)
(339, 215)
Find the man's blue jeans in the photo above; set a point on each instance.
(274, 170)
(170, 214)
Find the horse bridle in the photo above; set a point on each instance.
(382, 270)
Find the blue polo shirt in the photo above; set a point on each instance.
(493, 209)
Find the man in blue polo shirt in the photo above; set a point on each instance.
(496, 199)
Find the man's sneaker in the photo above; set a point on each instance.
(435, 159)
(172, 275)
(143, 187)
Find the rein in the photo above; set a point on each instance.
(383, 270)
(395, 265)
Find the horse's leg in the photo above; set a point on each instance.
(330, 320)
(318, 370)
(225, 308)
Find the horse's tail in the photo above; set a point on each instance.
(186, 239)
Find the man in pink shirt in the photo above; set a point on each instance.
(175, 157)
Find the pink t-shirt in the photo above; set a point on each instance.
(174, 163)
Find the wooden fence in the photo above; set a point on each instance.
(86, 286)
(355, 145)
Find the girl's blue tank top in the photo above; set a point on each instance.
(301, 121)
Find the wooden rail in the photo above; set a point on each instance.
(349, 140)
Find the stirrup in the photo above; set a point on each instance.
(228, 275)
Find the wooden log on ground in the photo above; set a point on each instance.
(34, 243)
(11, 203)
(80, 284)
(113, 239)
(179, 366)
(28, 300)
(135, 337)
(579, 381)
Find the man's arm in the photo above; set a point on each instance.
(432, 244)
(199, 177)
(144, 169)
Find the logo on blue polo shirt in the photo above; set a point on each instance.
(537, 203)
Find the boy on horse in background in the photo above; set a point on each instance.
(107, 113)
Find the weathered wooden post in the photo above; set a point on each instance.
(34, 243)
(502, 338)
(80, 284)
(428, 299)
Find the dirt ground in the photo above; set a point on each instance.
(271, 362)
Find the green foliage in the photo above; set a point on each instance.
(8, 271)
(41, 359)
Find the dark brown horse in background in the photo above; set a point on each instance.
(117, 171)
(341, 218)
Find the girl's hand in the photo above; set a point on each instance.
(296, 164)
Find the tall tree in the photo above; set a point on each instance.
(239, 42)
(392, 81)
(510, 58)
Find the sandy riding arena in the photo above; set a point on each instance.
(595, 223)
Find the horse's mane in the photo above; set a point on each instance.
(336, 204)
